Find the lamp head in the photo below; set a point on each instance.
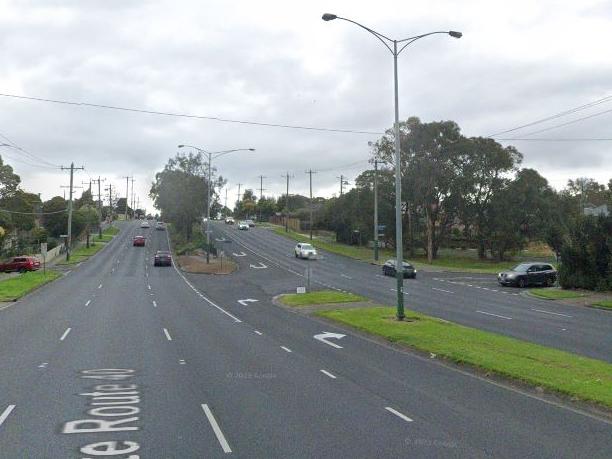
(181, 146)
(455, 34)
(329, 17)
(251, 149)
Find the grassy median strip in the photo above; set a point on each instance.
(606, 304)
(569, 374)
(15, 287)
(82, 253)
(555, 293)
(319, 297)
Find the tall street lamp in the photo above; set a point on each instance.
(398, 178)
(211, 155)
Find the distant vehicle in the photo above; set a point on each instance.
(229, 221)
(304, 250)
(160, 226)
(251, 223)
(526, 274)
(162, 258)
(139, 241)
(389, 269)
(243, 225)
(20, 264)
(145, 224)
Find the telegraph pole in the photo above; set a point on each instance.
(342, 183)
(310, 172)
(110, 201)
(69, 238)
(225, 198)
(238, 200)
(127, 195)
(376, 210)
(99, 181)
(132, 200)
(261, 190)
(287, 176)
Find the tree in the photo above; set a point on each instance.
(9, 181)
(56, 223)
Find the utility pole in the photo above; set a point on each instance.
(127, 195)
(69, 238)
(376, 210)
(85, 183)
(132, 199)
(310, 172)
(238, 200)
(261, 190)
(138, 203)
(110, 201)
(287, 176)
(226, 197)
(99, 181)
(342, 183)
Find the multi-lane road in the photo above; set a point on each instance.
(121, 359)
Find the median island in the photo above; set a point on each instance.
(568, 374)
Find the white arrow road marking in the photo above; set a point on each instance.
(495, 315)
(5, 413)
(247, 301)
(168, 337)
(323, 337)
(100, 286)
(154, 304)
(149, 287)
(327, 373)
(216, 429)
(398, 414)
(88, 301)
(258, 332)
(241, 254)
(65, 334)
(261, 266)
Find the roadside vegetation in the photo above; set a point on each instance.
(606, 304)
(14, 288)
(563, 372)
(107, 234)
(319, 297)
(555, 293)
(83, 253)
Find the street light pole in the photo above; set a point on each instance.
(399, 266)
(375, 210)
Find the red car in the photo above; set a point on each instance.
(139, 241)
(21, 264)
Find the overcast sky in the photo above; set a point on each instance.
(278, 62)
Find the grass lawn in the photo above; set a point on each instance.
(555, 293)
(570, 374)
(15, 287)
(607, 304)
(319, 297)
(83, 253)
(110, 230)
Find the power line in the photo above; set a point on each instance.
(566, 139)
(187, 115)
(31, 156)
(33, 213)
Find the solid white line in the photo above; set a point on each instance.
(100, 286)
(88, 301)
(328, 374)
(549, 312)
(168, 337)
(495, 315)
(258, 332)
(154, 304)
(441, 290)
(286, 349)
(5, 413)
(216, 429)
(65, 334)
(398, 414)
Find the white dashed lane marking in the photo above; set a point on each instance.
(327, 373)
(87, 303)
(168, 337)
(258, 332)
(216, 429)
(65, 334)
(398, 414)
(5, 413)
(286, 349)
(494, 315)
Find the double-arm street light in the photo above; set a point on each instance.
(393, 45)
(211, 155)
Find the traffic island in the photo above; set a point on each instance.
(600, 300)
(320, 300)
(196, 264)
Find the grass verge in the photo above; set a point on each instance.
(319, 297)
(82, 253)
(15, 287)
(605, 304)
(563, 372)
(555, 293)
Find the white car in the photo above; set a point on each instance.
(145, 224)
(304, 250)
(229, 221)
(243, 226)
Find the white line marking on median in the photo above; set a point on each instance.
(154, 304)
(5, 413)
(88, 301)
(327, 373)
(495, 315)
(258, 332)
(216, 429)
(441, 290)
(286, 349)
(550, 312)
(65, 334)
(168, 337)
(398, 414)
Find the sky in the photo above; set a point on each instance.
(278, 63)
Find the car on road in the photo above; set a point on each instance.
(526, 274)
(145, 224)
(162, 258)
(139, 241)
(389, 269)
(229, 221)
(251, 223)
(20, 264)
(305, 250)
(243, 225)
(160, 226)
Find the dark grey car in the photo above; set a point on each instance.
(389, 269)
(526, 274)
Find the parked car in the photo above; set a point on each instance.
(305, 250)
(20, 264)
(526, 274)
(243, 225)
(162, 258)
(139, 241)
(145, 224)
(390, 269)
(251, 223)
(160, 226)
(229, 221)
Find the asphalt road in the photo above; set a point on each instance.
(475, 300)
(121, 359)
